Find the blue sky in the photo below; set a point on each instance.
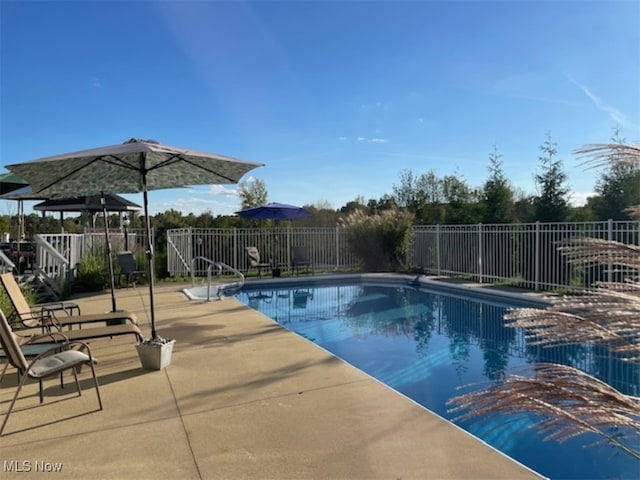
(335, 98)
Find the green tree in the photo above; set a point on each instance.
(551, 203)
(618, 188)
(5, 223)
(322, 215)
(461, 201)
(253, 192)
(405, 193)
(430, 205)
(354, 206)
(161, 223)
(497, 203)
(204, 220)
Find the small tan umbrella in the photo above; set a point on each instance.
(93, 203)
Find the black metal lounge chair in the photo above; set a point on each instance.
(129, 268)
(300, 258)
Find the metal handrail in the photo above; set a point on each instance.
(219, 266)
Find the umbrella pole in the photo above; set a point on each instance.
(20, 220)
(147, 225)
(109, 258)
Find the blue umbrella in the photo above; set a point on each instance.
(274, 211)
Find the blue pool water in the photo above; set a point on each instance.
(429, 344)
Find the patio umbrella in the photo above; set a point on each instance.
(88, 203)
(132, 167)
(10, 181)
(273, 211)
(93, 203)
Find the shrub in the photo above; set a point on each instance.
(380, 241)
(93, 273)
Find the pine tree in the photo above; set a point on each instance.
(551, 204)
(618, 188)
(497, 196)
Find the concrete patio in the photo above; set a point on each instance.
(242, 398)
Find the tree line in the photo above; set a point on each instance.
(429, 198)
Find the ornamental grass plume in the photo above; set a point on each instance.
(603, 154)
(566, 401)
(600, 154)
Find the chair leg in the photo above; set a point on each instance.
(23, 379)
(75, 376)
(13, 402)
(4, 370)
(95, 381)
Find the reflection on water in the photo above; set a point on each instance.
(430, 345)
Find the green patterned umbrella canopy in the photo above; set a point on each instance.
(125, 168)
(132, 167)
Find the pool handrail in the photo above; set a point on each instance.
(220, 266)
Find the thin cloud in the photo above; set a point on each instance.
(538, 98)
(579, 199)
(614, 113)
(95, 83)
(365, 139)
(222, 190)
(372, 106)
(220, 205)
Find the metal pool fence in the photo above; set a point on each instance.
(523, 255)
(326, 247)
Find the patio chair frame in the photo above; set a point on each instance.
(42, 366)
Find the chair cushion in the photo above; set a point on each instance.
(55, 363)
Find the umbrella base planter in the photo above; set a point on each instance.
(155, 354)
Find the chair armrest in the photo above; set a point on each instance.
(23, 320)
(61, 338)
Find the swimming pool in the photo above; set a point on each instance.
(427, 343)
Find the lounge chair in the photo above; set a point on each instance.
(92, 333)
(300, 258)
(129, 268)
(9, 282)
(51, 362)
(253, 257)
(39, 318)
